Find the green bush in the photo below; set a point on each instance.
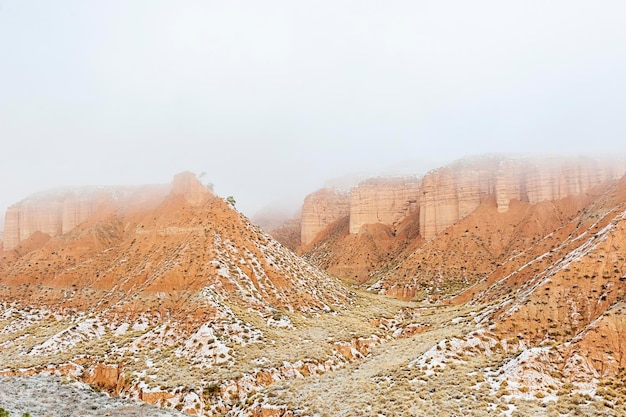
(5, 413)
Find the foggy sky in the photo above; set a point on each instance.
(273, 98)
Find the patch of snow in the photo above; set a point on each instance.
(70, 337)
(122, 328)
(141, 325)
(284, 322)
(260, 361)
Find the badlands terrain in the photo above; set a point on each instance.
(491, 286)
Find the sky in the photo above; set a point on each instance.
(272, 99)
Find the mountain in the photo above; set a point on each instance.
(537, 245)
(59, 211)
(477, 209)
(136, 285)
(492, 286)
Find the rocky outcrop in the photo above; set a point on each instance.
(449, 194)
(536, 180)
(383, 200)
(107, 377)
(178, 245)
(320, 209)
(453, 192)
(57, 212)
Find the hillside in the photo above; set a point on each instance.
(437, 235)
(546, 269)
(177, 288)
(513, 307)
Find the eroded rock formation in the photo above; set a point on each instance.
(383, 200)
(320, 209)
(57, 212)
(453, 192)
(455, 224)
(446, 195)
(536, 180)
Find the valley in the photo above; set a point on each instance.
(491, 286)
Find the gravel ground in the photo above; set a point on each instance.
(46, 396)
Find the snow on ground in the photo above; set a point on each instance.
(70, 337)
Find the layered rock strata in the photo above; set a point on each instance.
(57, 212)
(536, 180)
(187, 185)
(449, 194)
(453, 192)
(383, 200)
(321, 209)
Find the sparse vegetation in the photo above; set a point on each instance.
(199, 311)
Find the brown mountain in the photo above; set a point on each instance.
(507, 276)
(451, 227)
(190, 240)
(175, 285)
(538, 244)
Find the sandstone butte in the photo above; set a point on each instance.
(534, 247)
(387, 216)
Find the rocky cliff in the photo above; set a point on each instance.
(402, 221)
(57, 212)
(448, 194)
(187, 185)
(386, 201)
(321, 209)
(451, 193)
(551, 179)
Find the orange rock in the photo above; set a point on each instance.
(155, 397)
(106, 377)
(57, 212)
(321, 209)
(345, 349)
(264, 378)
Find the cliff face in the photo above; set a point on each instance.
(386, 201)
(550, 178)
(451, 193)
(513, 200)
(56, 213)
(24, 219)
(320, 209)
(447, 195)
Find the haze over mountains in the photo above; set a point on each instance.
(328, 248)
(269, 105)
(497, 280)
